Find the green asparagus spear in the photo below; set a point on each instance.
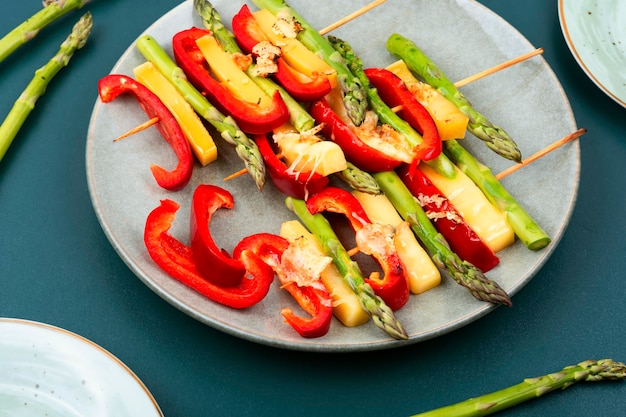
(298, 116)
(530, 388)
(354, 95)
(441, 164)
(461, 271)
(52, 10)
(225, 125)
(317, 224)
(417, 61)
(37, 86)
(524, 226)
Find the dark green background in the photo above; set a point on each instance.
(57, 266)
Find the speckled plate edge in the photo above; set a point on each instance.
(531, 87)
(120, 393)
(595, 33)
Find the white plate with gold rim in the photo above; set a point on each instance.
(463, 37)
(52, 372)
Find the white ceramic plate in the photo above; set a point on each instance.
(464, 38)
(48, 371)
(595, 32)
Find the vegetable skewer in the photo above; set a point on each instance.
(317, 224)
(494, 137)
(590, 371)
(462, 272)
(27, 30)
(354, 95)
(524, 226)
(301, 120)
(37, 86)
(225, 125)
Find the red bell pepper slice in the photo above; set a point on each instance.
(213, 263)
(459, 235)
(393, 287)
(112, 85)
(295, 184)
(250, 117)
(176, 259)
(248, 33)
(395, 93)
(358, 152)
(315, 300)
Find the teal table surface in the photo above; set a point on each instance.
(57, 266)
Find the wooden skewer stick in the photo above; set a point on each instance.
(498, 67)
(351, 16)
(243, 171)
(139, 128)
(542, 152)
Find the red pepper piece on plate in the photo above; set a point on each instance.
(295, 184)
(395, 93)
(358, 152)
(250, 117)
(393, 286)
(312, 297)
(459, 235)
(112, 85)
(248, 34)
(213, 263)
(176, 259)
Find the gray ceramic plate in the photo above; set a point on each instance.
(48, 371)
(595, 32)
(464, 38)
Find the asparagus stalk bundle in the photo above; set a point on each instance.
(225, 125)
(591, 371)
(524, 226)
(27, 30)
(299, 117)
(420, 64)
(43, 76)
(380, 312)
(464, 273)
(386, 115)
(354, 94)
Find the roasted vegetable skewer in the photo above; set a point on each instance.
(418, 62)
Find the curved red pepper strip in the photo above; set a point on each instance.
(315, 301)
(393, 286)
(394, 93)
(297, 185)
(250, 117)
(358, 152)
(248, 33)
(212, 263)
(176, 259)
(112, 85)
(459, 235)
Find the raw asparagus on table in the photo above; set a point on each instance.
(421, 65)
(225, 125)
(354, 94)
(461, 271)
(590, 371)
(299, 117)
(380, 312)
(524, 226)
(37, 86)
(385, 114)
(27, 30)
